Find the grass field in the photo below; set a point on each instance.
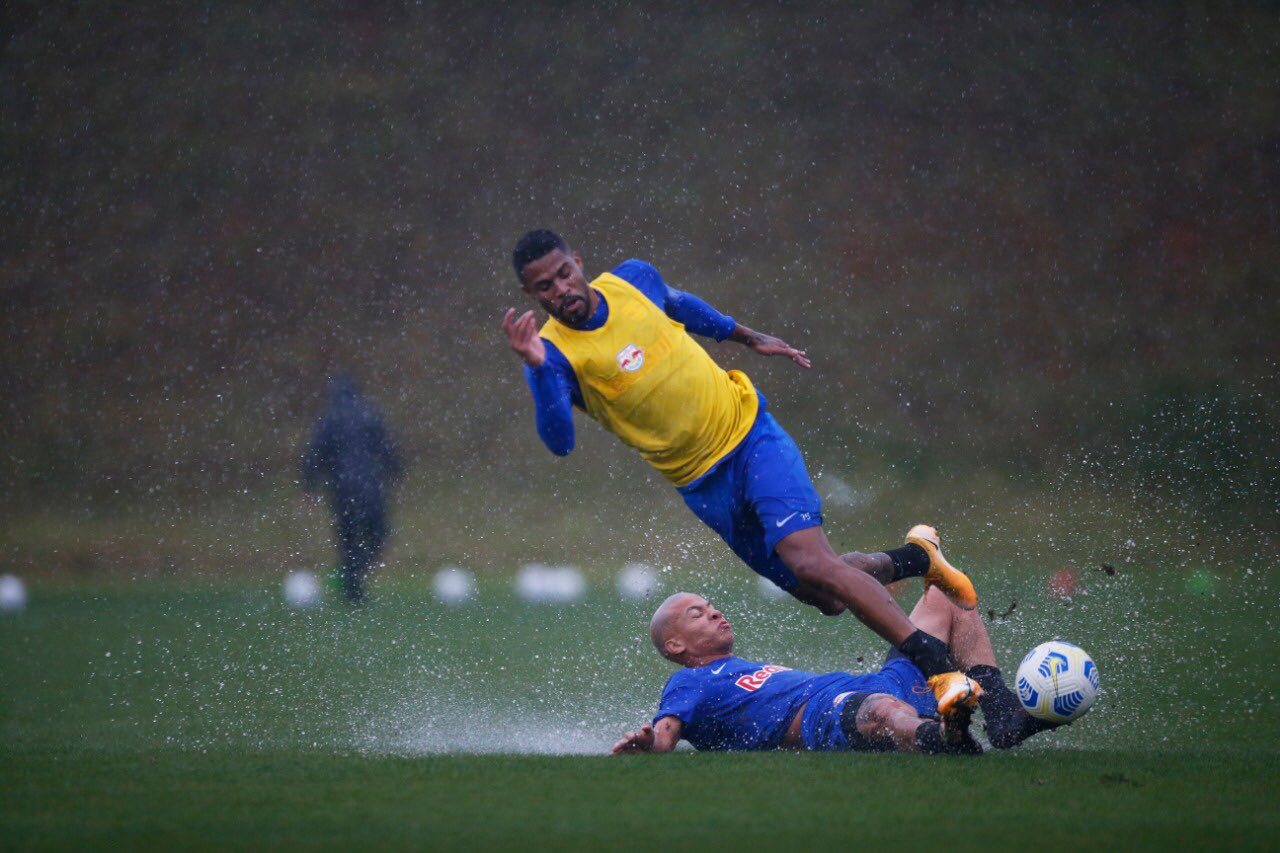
(157, 716)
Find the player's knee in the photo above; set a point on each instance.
(828, 606)
(823, 598)
(812, 571)
(868, 721)
(877, 715)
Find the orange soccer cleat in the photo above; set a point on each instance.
(956, 694)
(954, 583)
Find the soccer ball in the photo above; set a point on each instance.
(1057, 682)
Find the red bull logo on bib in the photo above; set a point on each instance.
(631, 358)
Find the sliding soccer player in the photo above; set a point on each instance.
(619, 349)
(721, 702)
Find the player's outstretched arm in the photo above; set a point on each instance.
(522, 336)
(640, 740)
(647, 738)
(768, 345)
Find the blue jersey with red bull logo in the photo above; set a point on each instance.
(735, 704)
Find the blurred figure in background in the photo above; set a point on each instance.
(353, 456)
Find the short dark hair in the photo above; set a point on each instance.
(534, 245)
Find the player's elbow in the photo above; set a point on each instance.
(557, 438)
(559, 446)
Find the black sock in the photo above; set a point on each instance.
(930, 741)
(1008, 723)
(929, 738)
(909, 561)
(930, 655)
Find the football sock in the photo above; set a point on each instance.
(1008, 724)
(929, 738)
(909, 561)
(930, 741)
(930, 655)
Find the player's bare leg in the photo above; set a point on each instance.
(825, 602)
(878, 565)
(1007, 723)
(962, 630)
(888, 722)
(810, 556)
(956, 693)
(920, 557)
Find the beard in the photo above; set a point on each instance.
(572, 311)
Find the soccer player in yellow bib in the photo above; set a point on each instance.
(618, 347)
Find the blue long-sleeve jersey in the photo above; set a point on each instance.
(553, 383)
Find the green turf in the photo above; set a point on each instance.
(156, 716)
(1045, 800)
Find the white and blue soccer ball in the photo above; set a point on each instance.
(1057, 682)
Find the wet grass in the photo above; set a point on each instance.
(155, 716)
(1050, 800)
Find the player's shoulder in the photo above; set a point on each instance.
(637, 272)
(687, 678)
(713, 670)
(682, 677)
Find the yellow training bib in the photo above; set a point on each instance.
(648, 382)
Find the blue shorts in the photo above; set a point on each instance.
(899, 678)
(756, 496)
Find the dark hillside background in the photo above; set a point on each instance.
(1032, 251)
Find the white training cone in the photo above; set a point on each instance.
(532, 583)
(454, 585)
(13, 594)
(637, 581)
(301, 590)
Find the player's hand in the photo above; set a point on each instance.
(769, 345)
(640, 740)
(522, 335)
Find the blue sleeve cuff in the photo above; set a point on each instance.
(724, 328)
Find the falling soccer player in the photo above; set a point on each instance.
(619, 349)
(721, 702)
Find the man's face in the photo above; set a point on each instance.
(557, 283)
(698, 630)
